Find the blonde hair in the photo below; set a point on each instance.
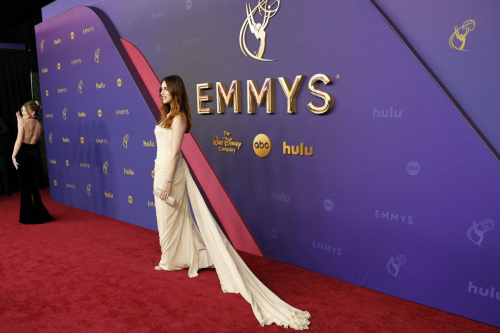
(33, 108)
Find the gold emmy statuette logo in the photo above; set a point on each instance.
(130, 200)
(50, 138)
(119, 82)
(258, 29)
(67, 163)
(41, 45)
(46, 93)
(96, 55)
(55, 182)
(99, 113)
(105, 168)
(72, 35)
(58, 65)
(82, 140)
(64, 113)
(153, 174)
(261, 145)
(80, 87)
(125, 141)
(460, 34)
(88, 189)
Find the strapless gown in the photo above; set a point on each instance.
(184, 245)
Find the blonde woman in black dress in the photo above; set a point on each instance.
(26, 160)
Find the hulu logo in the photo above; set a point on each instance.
(486, 292)
(390, 113)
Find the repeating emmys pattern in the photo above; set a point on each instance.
(101, 143)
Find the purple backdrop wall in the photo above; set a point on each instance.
(397, 179)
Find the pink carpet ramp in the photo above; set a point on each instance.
(223, 206)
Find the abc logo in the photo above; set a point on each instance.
(413, 168)
(328, 205)
(261, 145)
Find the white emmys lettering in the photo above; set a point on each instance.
(108, 195)
(71, 186)
(49, 115)
(85, 165)
(62, 90)
(151, 204)
(122, 112)
(380, 214)
(327, 248)
(101, 141)
(76, 61)
(87, 30)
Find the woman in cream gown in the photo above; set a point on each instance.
(183, 245)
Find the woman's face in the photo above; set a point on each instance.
(24, 113)
(166, 97)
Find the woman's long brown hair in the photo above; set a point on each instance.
(179, 104)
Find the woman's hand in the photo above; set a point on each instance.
(16, 165)
(165, 190)
(18, 116)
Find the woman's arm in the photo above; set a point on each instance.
(19, 140)
(179, 125)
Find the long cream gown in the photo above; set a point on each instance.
(184, 246)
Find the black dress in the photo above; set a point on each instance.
(32, 209)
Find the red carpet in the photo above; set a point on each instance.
(88, 273)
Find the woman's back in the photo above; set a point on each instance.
(32, 130)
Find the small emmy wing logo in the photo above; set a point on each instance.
(267, 12)
(55, 182)
(125, 141)
(72, 35)
(394, 264)
(41, 45)
(88, 189)
(67, 163)
(82, 140)
(80, 87)
(64, 113)
(460, 35)
(119, 82)
(476, 233)
(50, 138)
(130, 200)
(105, 168)
(46, 93)
(96, 55)
(58, 65)
(99, 113)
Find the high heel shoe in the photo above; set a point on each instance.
(158, 268)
